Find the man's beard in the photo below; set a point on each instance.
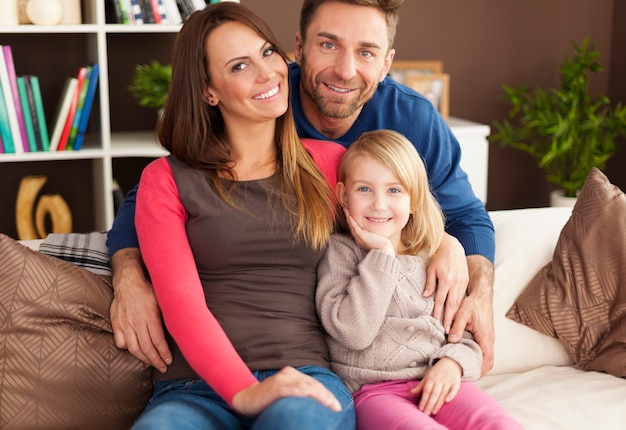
(325, 103)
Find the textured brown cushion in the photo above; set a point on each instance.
(580, 296)
(59, 367)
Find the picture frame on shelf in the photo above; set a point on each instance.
(400, 69)
(435, 87)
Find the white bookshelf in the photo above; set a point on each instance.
(91, 42)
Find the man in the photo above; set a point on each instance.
(343, 51)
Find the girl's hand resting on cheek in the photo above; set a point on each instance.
(366, 239)
(440, 385)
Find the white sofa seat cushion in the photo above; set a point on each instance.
(560, 398)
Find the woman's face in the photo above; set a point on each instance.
(249, 79)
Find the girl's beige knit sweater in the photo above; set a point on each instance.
(379, 325)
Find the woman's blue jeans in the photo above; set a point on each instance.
(191, 404)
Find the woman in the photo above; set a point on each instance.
(231, 226)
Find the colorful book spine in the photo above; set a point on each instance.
(8, 58)
(158, 9)
(28, 121)
(16, 135)
(79, 109)
(125, 11)
(135, 12)
(62, 111)
(146, 11)
(82, 72)
(33, 112)
(5, 126)
(89, 98)
(40, 112)
(173, 14)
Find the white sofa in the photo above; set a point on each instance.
(533, 377)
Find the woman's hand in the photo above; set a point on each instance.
(287, 383)
(440, 385)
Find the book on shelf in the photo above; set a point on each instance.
(172, 12)
(198, 4)
(62, 111)
(39, 112)
(146, 11)
(125, 11)
(5, 126)
(9, 100)
(89, 98)
(158, 9)
(30, 95)
(65, 134)
(28, 119)
(135, 12)
(150, 11)
(112, 12)
(186, 8)
(79, 108)
(10, 65)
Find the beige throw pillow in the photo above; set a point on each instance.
(580, 296)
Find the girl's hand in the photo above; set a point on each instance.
(440, 385)
(368, 240)
(287, 383)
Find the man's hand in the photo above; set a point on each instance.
(135, 315)
(289, 382)
(447, 276)
(476, 311)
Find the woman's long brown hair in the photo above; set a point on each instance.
(193, 131)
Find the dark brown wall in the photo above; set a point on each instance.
(487, 43)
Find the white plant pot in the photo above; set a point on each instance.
(557, 199)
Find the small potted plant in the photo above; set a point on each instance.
(566, 130)
(150, 84)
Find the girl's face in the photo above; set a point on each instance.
(248, 77)
(376, 199)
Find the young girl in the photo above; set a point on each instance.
(384, 343)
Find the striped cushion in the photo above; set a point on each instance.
(88, 250)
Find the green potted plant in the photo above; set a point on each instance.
(150, 83)
(566, 130)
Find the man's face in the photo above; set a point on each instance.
(345, 56)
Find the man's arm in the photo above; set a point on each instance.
(476, 311)
(135, 315)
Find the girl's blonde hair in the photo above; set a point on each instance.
(425, 228)
(193, 131)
